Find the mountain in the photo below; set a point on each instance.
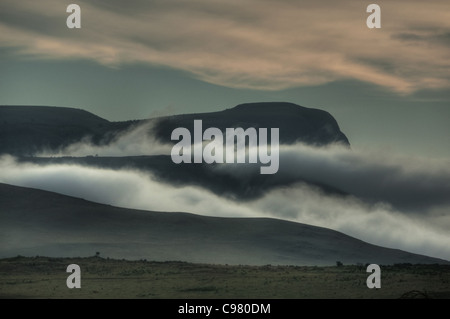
(36, 222)
(296, 123)
(27, 130)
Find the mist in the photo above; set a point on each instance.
(135, 141)
(406, 183)
(392, 201)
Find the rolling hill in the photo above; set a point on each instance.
(36, 222)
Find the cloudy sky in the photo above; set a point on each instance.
(388, 88)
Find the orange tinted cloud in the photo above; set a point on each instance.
(258, 44)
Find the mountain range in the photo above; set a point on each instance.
(27, 130)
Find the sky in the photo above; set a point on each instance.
(388, 88)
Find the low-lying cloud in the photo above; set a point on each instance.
(411, 184)
(394, 202)
(137, 140)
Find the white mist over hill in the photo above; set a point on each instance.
(394, 201)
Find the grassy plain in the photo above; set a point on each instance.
(43, 277)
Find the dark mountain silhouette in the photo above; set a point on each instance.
(296, 123)
(27, 130)
(36, 222)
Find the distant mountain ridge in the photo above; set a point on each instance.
(23, 114)
(27, 130)
(296, 123)
(36, 222)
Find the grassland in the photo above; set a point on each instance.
(43, 277)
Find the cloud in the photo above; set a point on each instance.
(261, 44)
(405, 182)
(137, 140)
(377, 222)
(410, 184)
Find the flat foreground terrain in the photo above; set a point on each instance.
(42, 277)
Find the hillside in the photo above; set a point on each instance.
(35, 222)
